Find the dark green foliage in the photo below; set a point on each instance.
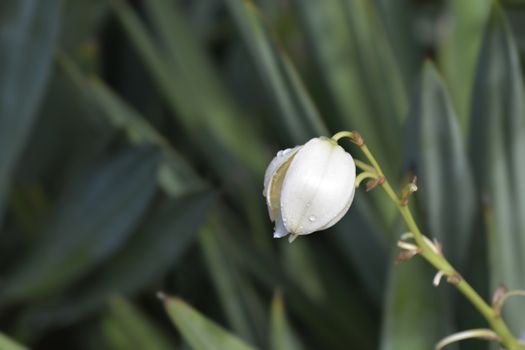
(134, 136)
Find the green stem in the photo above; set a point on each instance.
(436, 258)
(363, 176)
(363, 166)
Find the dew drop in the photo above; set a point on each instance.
(286, 152)
(312, 218)
(280, 154)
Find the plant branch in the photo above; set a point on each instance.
(434, 256)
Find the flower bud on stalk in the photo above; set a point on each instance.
(309, 188)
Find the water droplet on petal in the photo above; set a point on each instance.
(312, 218)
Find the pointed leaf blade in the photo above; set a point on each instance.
(497, 145)
(95, 216)
(28, 33)
(126, 327)
(277, 72)
(200, 332)
(7, 343)
(282, 337)
(436, 152)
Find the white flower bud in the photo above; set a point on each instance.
(309, 188)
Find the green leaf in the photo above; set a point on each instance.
(310, 300)
(28, 33)
(276, 70)
(364, 247)
(126, 327)
(81, 20)
(282, 336)
(497, 147)
(363, 80)
(437, 154)
(7, 343)
(184, 74)
(159, 243)
(95, 216)
(458, 51)
(175, 175)
(399, 17)
(230, 282)
(302, 266)
(414, 317)
(226, 279)
(198, 331)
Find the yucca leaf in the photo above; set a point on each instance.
(378, 67)
(28, 33)
(458, 51)
(364, 246)
(200, 332)
(277, 72)
(95, 216)
(399, 18)
(7, 343)
(158, 244)
(436, 153)
(226, 279)
(126, 327)
(311, 272)
(414, 317)
(182, 71)
(282, 337)
(497, 141)
(140, 131)
(81, 18)
(301, 264)
(175, 175)
(333, 323)
(363, 80)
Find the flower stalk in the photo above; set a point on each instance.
(431, 251)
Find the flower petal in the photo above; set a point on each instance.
(273, 179)
(318, 187)
(341, 214)
(280, 229)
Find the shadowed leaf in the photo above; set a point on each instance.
(28, 33)
(497, 145)
(276, 70)
(200, 332)
(96, 215)
(126, 327)
(437, 154)
(282, 336)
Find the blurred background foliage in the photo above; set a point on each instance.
(134, 136)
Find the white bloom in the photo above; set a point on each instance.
(309, 188)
